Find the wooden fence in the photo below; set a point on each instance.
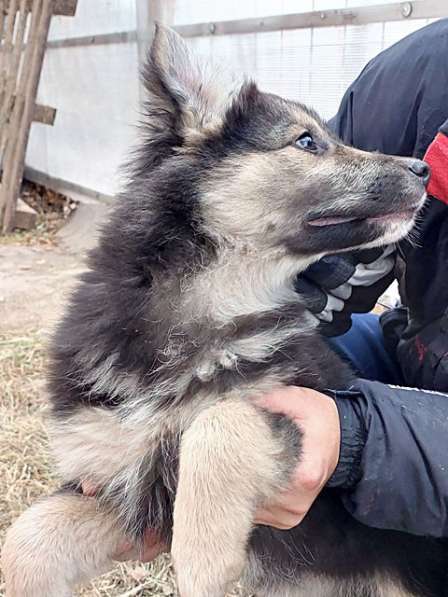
(24, 26)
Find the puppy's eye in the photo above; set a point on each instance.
(306, 141)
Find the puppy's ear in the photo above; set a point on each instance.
(181, 94)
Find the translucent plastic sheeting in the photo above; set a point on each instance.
(95, 88)
(314, 66)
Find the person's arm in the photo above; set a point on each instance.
(422, 350)
(391, 449)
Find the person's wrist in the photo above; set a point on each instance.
(335, 447)
(353, 433)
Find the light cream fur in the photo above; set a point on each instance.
(59, 542)
(229, 464)
(241, 283)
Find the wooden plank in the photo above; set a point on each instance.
(25, 217)
(65, 8)
(44, 114)
(2, 25)
(7, 45)
(362, 15)
(10, 81)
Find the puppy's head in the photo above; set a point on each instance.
(266, 173)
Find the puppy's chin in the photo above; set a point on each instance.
(393, 231)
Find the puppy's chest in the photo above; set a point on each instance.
(284, 348)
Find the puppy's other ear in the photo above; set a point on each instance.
(181, 94)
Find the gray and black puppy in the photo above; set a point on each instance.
(187, 310)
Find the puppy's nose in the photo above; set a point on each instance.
(420, 169)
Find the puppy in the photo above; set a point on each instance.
(188, 309)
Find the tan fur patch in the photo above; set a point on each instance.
(389, 588)
(229, 445)
(241, 283)
(57, 543)
(94, 445)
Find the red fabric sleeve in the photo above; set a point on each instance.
(437, 158)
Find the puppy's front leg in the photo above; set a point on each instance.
(61, 541)
(229, 464)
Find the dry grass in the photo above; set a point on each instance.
(44, 233)
(25, 471)
(53, 210)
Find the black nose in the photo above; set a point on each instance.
(420, 169)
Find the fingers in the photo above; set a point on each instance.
(286, 400)
(89, 489)
(152, 547)
(278, 518)
(287, 511)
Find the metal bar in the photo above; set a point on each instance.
(119, 37)
(398, 11)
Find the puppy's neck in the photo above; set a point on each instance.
(241, 283)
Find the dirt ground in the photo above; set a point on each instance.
(37, 271)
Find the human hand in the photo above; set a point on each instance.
(338, 285)
(317, 417)
(152, 545)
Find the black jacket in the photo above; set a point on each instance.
(397, 105)
(393, 466)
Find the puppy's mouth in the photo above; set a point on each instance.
(404, 215)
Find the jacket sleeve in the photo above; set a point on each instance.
(393, 466)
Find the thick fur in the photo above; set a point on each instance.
(188, 310)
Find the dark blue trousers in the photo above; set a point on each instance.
(363, 348)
